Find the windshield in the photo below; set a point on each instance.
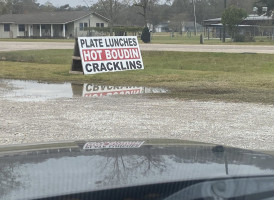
(136, 70)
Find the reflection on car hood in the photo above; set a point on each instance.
(53, 169)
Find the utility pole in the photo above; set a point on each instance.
(224, 31)
(194, 10)
(111, 18)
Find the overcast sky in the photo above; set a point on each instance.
(72, 3)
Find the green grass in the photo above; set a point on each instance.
(199, 76)
(165, 38)
(211, 41)
(34, 40)
(41, 57)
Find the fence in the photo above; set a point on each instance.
(257, 32)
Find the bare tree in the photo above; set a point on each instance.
(109, 8)
(146, 6)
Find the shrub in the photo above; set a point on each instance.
(145, 37)
(239, 38)
(249, 38)
(244, 38)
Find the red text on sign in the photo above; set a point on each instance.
(110, 54)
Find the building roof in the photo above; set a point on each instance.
(259, 17)
(190, 24)
(185, 24)
(249, 18)
(213, 20)
(62, 17)
(162, 25)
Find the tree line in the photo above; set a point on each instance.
(141, 12)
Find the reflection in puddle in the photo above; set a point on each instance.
(91, 90)
(36, 91)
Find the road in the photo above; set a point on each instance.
(16, 46)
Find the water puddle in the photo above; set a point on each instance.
(18, 90)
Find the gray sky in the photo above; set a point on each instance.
(72, 3)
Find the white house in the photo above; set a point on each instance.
(50, 24)
(186, 27)
(162, 27)
(189, 27)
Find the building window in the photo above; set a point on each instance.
(21, 27)
(7, 27)
(100, 25)
(83, 26)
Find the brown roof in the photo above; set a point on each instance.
(62, 17)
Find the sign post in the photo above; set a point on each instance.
(76, 65)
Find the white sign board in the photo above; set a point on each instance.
(113, 145)
(110, 54)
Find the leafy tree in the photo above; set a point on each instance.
(24, 6)
(65, 7)
(6, 6)
(267, 3)
(245, 4)
(145, 37)
(47, 7)
(18, 6)
(231, 18)
(2, 8)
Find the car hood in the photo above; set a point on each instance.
(41, 170)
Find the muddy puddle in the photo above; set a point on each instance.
(19, 90)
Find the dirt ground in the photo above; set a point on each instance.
(241, 125)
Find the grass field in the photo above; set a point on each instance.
(165, 38)
(35, 40)
(198, 76)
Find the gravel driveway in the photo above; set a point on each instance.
(235, 124)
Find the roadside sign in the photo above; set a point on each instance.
(110, 54)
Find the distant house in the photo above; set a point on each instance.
(162, 27)
(189, 27)
(186, 27)
(50, 24)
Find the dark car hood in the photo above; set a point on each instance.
(42, 170)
